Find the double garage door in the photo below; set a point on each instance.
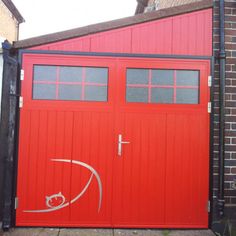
(113, 142)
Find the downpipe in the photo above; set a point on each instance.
(222, 61)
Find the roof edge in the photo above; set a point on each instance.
(12, 8)
(111, 25)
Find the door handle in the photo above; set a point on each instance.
(120, 143)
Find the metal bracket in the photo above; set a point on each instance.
(209, 81)
(16, 202)
(20, 102)
(209, 107)
(22, 74)
(209, 206)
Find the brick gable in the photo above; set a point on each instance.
(160, 4)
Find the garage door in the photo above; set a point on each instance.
(113, 142)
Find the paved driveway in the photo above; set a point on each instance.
(103, 232)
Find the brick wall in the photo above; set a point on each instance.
(167, 3)
(8, 24)
(230, 110)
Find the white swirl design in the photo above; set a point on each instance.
(93, 173)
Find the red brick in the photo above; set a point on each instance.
(231, 60)
(230, 32)
(231, 104)
(230, 133)
(230, 148)
(234, 38)
(230, 4)
(230, 192)
(230, 46)
(230, 18)
(233, 200)
(233, 155)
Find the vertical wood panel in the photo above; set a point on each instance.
(139, 173)
(186, 34)
(186, 164)
(78, 44)
(153, 37)
(89, 139)
(23, 175)
(192, 34)
(117, 41)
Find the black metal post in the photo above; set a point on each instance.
(8, 131)
(222, 60)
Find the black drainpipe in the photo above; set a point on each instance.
(222, 59)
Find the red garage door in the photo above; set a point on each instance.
(113, 142)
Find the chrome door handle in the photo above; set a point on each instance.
(120, 142)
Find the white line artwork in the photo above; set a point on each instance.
(49, 199)
(61, 198)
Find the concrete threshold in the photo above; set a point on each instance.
(102, 232)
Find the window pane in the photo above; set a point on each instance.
(70, 74)
(96, 75)
(137, 76)
(44, 91)
(96, 93)
(69, 92)
(162, 95)
(136, 94)
(45, 73)
(187, 78)
(163, 77)
(187, 96)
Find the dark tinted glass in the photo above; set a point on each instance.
(70, 74)
(96, 93)
(137, 76)
(44, 91)
(136, 94)
(187, 96)
(69, 92)
(96, 75)
(162, 77)
(162, 95)
(45, 73)
(187, 78)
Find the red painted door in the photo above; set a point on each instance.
(162, 173)
(113, 142)
(66, 142)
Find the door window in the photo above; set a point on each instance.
(70, 83)
(162, 86)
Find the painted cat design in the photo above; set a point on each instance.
(58, 201)
(55, 200)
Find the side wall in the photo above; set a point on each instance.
(230, 96)
(8, 24)
(187, 34)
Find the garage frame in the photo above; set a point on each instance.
(124, 55)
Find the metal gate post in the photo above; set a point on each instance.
(8, 131)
